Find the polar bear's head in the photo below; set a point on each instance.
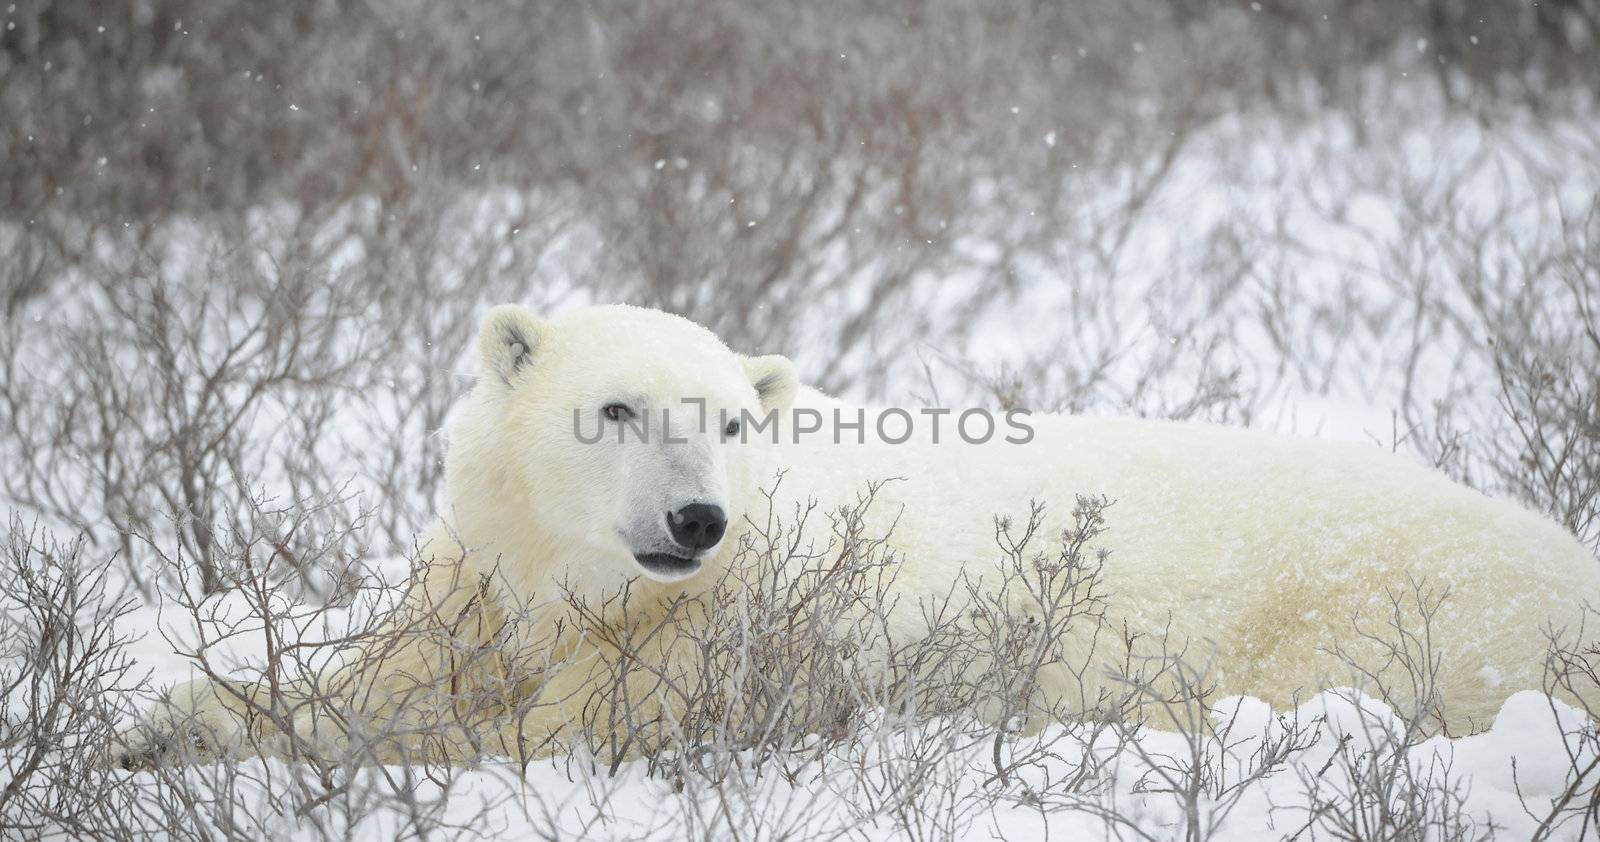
(614, 440)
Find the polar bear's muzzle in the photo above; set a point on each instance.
(695, 531)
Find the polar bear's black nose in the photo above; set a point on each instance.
(698, 525)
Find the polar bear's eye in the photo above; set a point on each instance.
(617, 411)
(732, 429)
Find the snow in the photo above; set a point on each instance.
(1506, 778)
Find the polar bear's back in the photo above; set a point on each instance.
(1270, 548)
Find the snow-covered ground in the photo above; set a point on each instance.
(1506, 779)
(1345, 776)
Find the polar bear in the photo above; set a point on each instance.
(1263, 549)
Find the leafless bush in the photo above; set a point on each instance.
(843, 185)
(1172, 360)
(1520, 308)
(1370, 787)
(1550, 391)
(193, 368)
(798, 670)
(163, 403)
(65, 680)
(309, 703)
(790, 664)
(1572, 672)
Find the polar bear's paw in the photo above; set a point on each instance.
(193, 724)
(151, 745)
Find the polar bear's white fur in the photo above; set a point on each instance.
(1265, 547)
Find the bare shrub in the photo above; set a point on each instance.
(800, 662)
(196, 367)
(1528, 307)
(1370, 786)
(309, 703)
(1572, 674)
(65, 680)
(178, 396)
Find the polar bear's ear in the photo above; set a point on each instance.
(507, 340)
(774, 378)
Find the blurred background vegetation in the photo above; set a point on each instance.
(248, 242)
